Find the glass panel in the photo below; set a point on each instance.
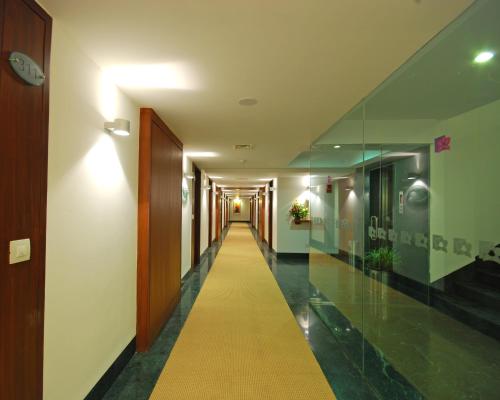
(405, 224)
(336, 248)
(431, 314)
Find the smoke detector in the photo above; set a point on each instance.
(243, 146)
(247, 101)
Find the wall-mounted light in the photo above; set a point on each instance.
(188, 176)
(337, 146)
(349, 188)
(413, 176)
(119, 126)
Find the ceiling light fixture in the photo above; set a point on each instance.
(119, 127)
(484, 57)
(247, 101)
(337, 146)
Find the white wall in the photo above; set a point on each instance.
(204, 213)
(187, 212)
(291, 238)
(244, 215)
(275, 214)
(464, 188)
(90, 289)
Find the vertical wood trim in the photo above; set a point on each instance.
(270, 216)
(143, 237)
(210, 216)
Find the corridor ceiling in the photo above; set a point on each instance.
(306, 62)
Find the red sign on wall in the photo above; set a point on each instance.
(442, 143)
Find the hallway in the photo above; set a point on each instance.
(250, 346)
(249, 200)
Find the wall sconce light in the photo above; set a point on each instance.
(188, 176)
(413, 176)
(119, 126)
(349, 188)
(207, 187)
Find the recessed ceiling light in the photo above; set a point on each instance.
(243, 146)
(247, 101)
(484, 56)
(337, 146)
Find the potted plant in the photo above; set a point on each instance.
(380, 262)
(298, 212)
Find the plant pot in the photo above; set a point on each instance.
(297, 221)
(379, 275)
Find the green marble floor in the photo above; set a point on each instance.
(441, 357)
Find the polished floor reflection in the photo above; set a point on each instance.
(439, 356)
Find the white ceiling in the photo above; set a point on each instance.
(307, 63)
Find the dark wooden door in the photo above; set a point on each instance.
(262, 216)
(196, 220)
(218, 210)
(159, 235)
(270, 215)
(210, 212)
(24, 112)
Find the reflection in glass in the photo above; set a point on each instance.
(405, 212)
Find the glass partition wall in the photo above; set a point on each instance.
(404, 257)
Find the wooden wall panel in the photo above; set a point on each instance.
(218, 212)
(262, 215)
(159, 227)
(24, 112)
(210, 212)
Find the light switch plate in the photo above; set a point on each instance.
(19, 251)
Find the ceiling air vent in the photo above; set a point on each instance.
(243, 146)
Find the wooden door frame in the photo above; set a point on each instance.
(196, 220)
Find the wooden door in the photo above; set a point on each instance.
(159, 235)
(210, 212)
(218, 215)
(24, 112)
(262, 211)
(270, 216)
(196, 219)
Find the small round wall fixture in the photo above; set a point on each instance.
(247, 101)
(119, 127)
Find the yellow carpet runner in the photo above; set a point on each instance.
(241, 341)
